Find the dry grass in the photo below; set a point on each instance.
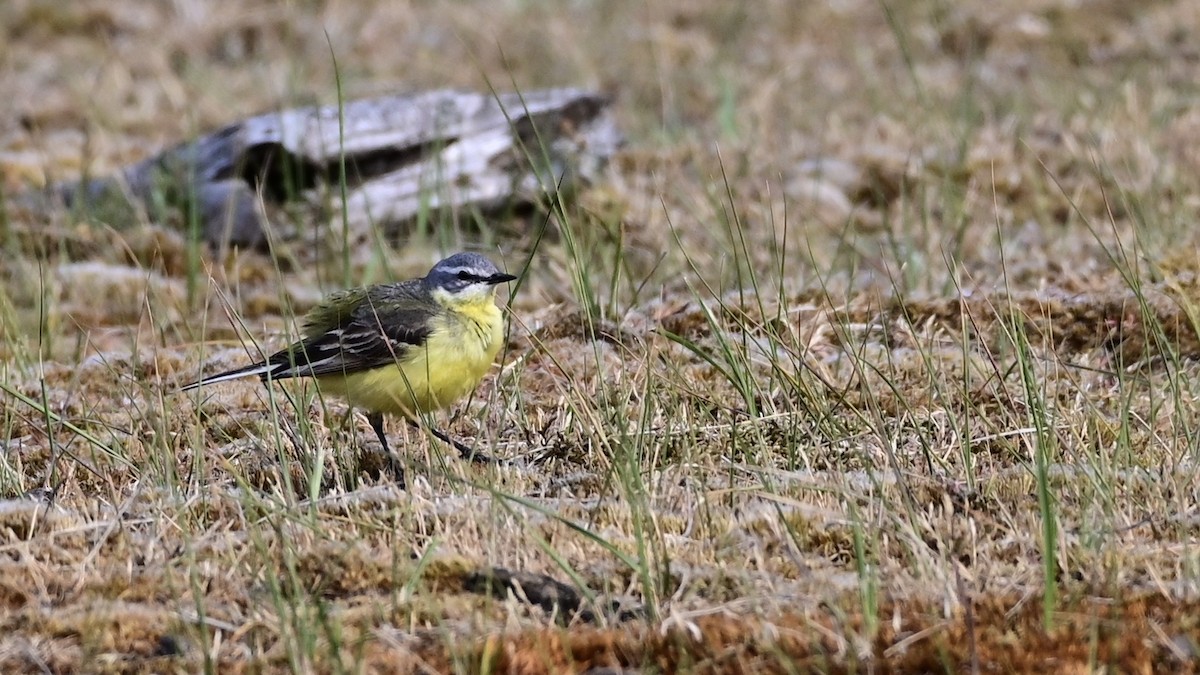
(877, 351)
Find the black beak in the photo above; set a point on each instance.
(500, 278)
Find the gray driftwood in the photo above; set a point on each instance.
(403, 154)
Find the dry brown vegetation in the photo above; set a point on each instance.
(876, 351)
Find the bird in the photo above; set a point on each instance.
(401, 348)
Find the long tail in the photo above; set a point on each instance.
(260, 369)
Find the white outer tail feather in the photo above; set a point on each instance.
(259, 369)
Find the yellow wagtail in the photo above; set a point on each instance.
(401, 348)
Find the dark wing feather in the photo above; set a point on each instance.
(385, 324)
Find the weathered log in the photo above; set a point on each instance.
(403, 154)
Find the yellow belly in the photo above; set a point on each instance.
(453, 360)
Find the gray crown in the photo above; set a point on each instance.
(461, 270)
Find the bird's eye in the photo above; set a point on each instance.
(464, 275)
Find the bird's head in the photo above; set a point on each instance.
(465, 278)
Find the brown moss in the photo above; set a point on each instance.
(1000, 633)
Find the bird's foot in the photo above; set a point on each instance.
(397, 470)
(377, 463)
(476, 457)
(467, 452)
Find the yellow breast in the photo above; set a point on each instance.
(457, 354)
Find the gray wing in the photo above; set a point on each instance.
(386, 324)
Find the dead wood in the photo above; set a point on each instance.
(399, 156)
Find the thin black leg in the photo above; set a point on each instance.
(465, 451)
(375, 419)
